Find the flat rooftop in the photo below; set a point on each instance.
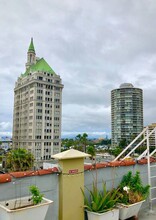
(146, 214)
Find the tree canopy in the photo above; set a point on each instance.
(19, 160)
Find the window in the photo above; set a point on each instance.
(57, 81)
(39, 117)
(39, 85)
(40, 78)
(39, 104)
(38, 136)
(40, 91)
(57, 88)
(39, 110)
(47, 93)
(39, 97)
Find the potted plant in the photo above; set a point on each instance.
(100, 205)
(30, 207)
(132, 194)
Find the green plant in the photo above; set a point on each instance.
(131, 189)
(100, 201)
(91, 151)
(19, 160)
(37, 197)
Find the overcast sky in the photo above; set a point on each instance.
(94, 45)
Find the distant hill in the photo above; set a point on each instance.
(5, 138)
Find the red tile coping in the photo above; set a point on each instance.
(88, 166)
(5, 178)
(121, 163)
(110, 164)
(100, 165)
(34, 173)
(47, 171)
(145, 161)
(21, 174)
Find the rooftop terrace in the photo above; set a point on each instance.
(48, 181)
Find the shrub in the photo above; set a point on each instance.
(19, 160)
(131, 189)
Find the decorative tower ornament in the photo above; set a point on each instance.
(31, 55)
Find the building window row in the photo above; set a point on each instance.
(39, 104)
(47, 130)
(48, 118)
(47, 143)
(39, 85)
(38, 137)
(47, 137)
(39, 97)
(48, 99)
(49, 87)
(40, 91)
(39, 117)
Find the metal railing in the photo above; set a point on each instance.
(146, 154)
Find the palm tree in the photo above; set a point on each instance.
(19, 160)
(91, 151)
(82, 140)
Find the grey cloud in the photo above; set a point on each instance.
(94, 45)
(5, 126)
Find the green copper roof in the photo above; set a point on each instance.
(31, 46)
(41, 65)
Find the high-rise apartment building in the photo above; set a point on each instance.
(126, 113)
(37, 108)
(152, 137)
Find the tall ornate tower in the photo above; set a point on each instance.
(38, 108)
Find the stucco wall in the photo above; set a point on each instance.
(48, 184)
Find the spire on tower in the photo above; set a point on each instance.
(31, 46)
(31, 55)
